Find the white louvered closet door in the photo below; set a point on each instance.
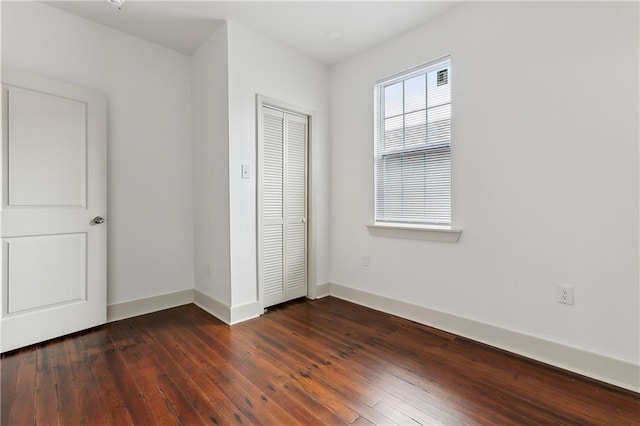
(284, 206)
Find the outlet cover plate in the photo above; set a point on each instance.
(564, 294)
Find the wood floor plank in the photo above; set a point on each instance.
(571, 395)
(299, 368)
(394, 414)
(355, 390)
(413, 357)
(383, 360)
(306, 362)
(373, 364)
(23, 402)
(192, 393)
(526, 409)
(125, 385)
(209, 369)
(68, 404)
(225, 411)
(301, 402)
(362, 421)
(148, 376)
(46, 386)
(9, 364)
(411, 411)
(236, 386)
(90, 354)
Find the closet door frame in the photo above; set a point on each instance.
(262, 101)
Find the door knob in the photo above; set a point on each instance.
(98, 220)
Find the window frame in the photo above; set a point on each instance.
(379, 135)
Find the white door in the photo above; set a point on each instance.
(54, 201)
(282, 194)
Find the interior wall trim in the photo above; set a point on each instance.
(212, 306)
(245, 312)
(596, 366)
(147, 305)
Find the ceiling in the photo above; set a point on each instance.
(302, 26)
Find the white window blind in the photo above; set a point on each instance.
(413, 147)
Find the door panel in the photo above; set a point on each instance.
(282, 197)
(296, 264)
(296, 167)
(57, 145)
(273, 208)
(273, 268)
(61, 264)
(296, 202)
(53, 185)
(273, 174)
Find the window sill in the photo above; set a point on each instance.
(441, 235)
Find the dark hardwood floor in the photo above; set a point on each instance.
(306, 362)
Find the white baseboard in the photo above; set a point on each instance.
(323, 290)
(245, 312)
(600, 367)
(212, 306)
(147, 305)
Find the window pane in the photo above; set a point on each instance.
(439, 128)
(393, 100)
(438, 184)
(414, 187)
(415, 130)
(390, 205)
(415, 93)
(393, 133)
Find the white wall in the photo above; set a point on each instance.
(211, 168)
(258, 65)
(149, 138)
(545, 172)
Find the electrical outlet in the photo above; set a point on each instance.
(364, 261)
(564, 294)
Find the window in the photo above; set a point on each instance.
(413, 148)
